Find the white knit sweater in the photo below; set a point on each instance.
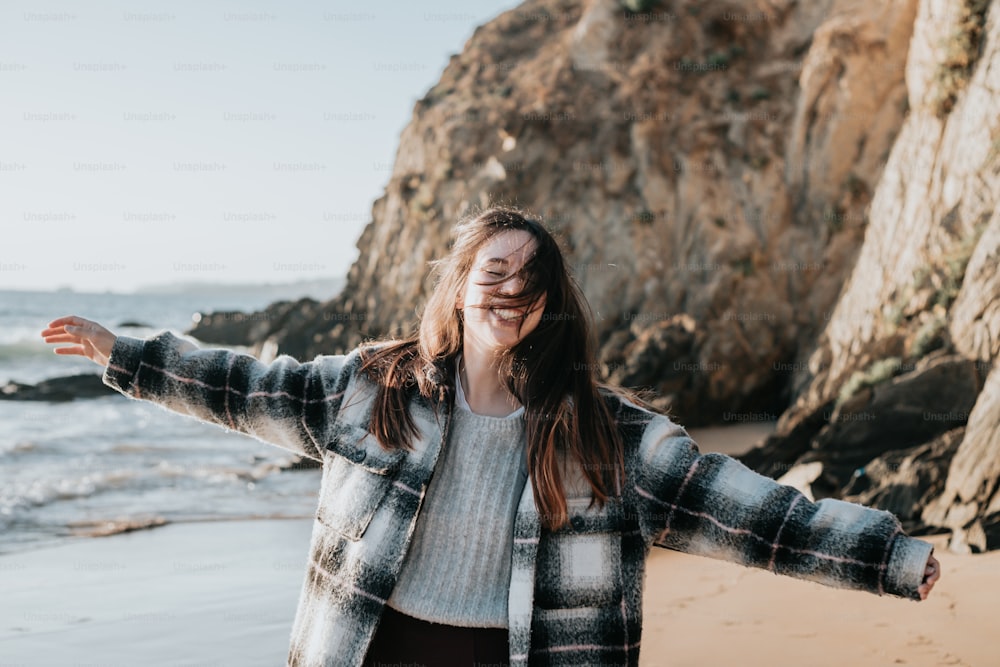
(458, 569)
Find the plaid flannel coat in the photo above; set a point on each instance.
(576, 593)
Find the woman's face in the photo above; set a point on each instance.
(487, 321)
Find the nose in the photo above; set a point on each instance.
(511, 285)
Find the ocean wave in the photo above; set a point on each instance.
(105, 528)
(31, 361)
(17, 448)
(23, 349)
(17, 496)
(38, 493)
(108, 527)
(19, 535)
(41, 492)
(217, 474)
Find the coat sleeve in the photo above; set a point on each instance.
(285, 403)
(713, 505)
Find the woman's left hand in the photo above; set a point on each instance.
(932, 572)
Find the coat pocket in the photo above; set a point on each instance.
(357, 474)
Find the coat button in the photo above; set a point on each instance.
(577, 522)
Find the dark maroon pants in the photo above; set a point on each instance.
(404, 640)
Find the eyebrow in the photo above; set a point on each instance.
(496, 260)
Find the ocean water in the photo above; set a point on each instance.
(70, 470)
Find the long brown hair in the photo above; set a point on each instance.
(552, 371)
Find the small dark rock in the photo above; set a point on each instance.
(67, 388)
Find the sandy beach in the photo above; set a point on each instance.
(224, 593)
(704, 612)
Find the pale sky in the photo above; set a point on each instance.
(149, 143)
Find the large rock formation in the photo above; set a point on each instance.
(768, 205)
(713, 160)
(925, 283)
(250, 329)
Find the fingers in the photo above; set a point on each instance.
(62, 338)
(70, 319)
(925, 590)
(76, 349)
(88, 338)
(52, 331)
(70, 323)
(77, 328)
(933, 571)
(931, 574)
(79, 347)
(68, 334)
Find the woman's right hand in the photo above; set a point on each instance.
(89, 339)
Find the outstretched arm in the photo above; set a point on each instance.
(285, 403)
(715, 506)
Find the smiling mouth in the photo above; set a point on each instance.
(509, 314)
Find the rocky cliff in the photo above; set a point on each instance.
(773, 207)
(686, 156)
(916, 332)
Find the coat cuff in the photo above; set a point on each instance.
(123, 363)
(905, 570)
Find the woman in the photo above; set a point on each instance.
(484, 499)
